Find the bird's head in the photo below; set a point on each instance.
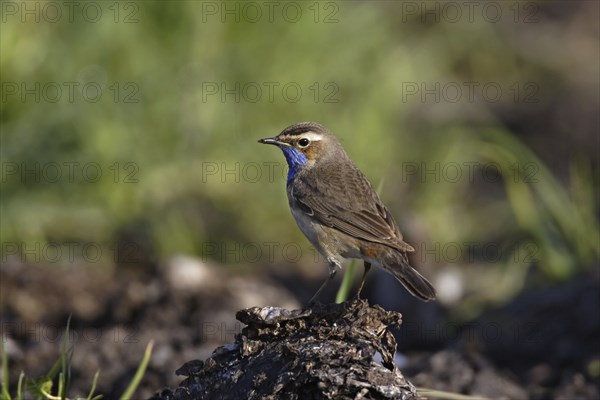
(305, 144)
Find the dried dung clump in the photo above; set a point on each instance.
(335, 351)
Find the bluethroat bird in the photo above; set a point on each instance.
(339, 212)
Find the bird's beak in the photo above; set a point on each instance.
(274, 141)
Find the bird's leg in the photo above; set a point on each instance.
(362, 281)
(334, 266)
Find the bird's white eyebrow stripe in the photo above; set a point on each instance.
(312, 136)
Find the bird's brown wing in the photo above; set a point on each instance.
(339, 196)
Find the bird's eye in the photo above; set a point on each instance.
(303, 142)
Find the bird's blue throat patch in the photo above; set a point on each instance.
(295, 159)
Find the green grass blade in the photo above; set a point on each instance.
(66, 353)
(344, 290)
(93, 389)
(61, 386)
(139, 373)
(441, 395)
(20, 386)
(5, 393)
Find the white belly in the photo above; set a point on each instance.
(330, 242)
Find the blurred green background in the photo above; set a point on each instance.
(130, 128)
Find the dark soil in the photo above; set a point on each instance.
(188, 308)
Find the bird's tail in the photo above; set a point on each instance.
(397, 264)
